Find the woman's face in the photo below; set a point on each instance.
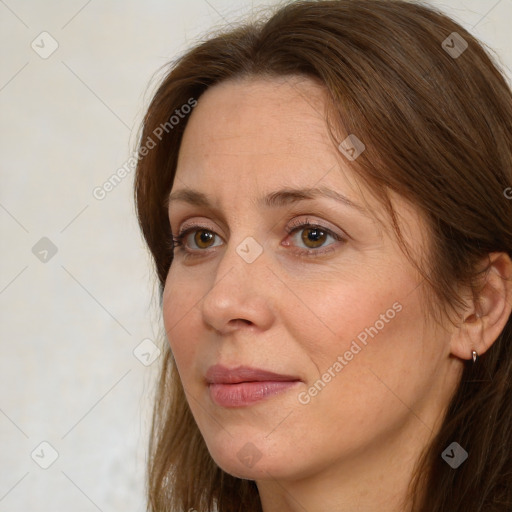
(335, 308)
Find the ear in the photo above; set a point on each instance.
(486, 316)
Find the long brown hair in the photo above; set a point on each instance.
(437, 125)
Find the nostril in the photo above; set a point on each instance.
(242, 321)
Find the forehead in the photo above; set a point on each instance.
(259, 134)
(247, 139)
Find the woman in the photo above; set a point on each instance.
(324, 199)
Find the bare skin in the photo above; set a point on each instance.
(351, 445)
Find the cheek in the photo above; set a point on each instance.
(392, 369)
(327, 319)
(180, 317)
(363, 337)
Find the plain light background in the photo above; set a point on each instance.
(70, 321)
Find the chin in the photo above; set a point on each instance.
(246, 459)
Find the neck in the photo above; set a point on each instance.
(376, 479)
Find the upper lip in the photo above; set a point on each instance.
(219, 374)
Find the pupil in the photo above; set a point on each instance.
(316, 233)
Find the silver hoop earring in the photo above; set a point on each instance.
(475, 356)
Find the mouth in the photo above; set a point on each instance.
(243, 385)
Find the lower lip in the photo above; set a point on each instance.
(246, 393)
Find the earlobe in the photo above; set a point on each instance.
(486, 317)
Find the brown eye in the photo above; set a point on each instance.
(205, 237)
(313, 237)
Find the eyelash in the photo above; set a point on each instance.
(177, 241)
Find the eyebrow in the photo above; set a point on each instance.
(276, 199)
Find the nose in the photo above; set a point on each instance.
(241, 294)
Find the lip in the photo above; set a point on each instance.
(244, 385)
(219, 374)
